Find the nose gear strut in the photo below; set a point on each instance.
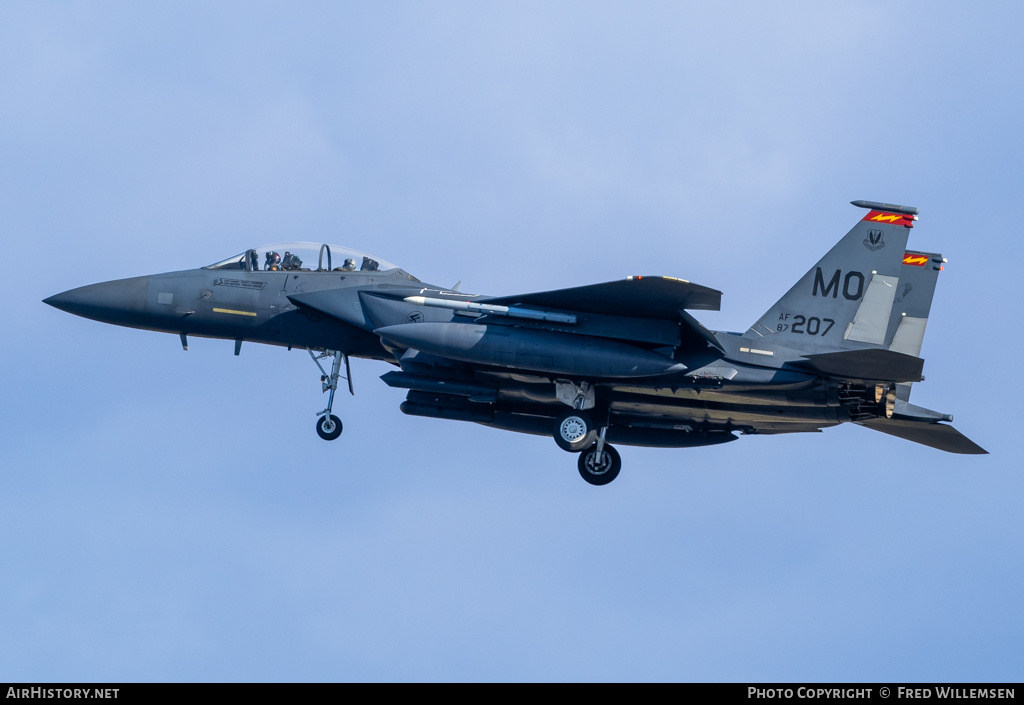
(329, 426)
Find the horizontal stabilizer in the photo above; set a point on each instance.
(871, 365)
(934, 435)
(642, 297)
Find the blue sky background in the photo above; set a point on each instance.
(173, 516)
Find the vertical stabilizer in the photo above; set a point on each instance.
(911, 307)
(846, 301)
(913, 301)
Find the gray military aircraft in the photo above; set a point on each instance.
(620, 362)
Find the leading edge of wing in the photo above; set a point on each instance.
(934, 435)
(643, 297)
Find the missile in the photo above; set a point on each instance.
(529, 349)
(511, 311)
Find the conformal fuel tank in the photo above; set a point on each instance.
(531, 349)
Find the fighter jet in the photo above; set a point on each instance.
(622, 362)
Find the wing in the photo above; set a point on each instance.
(642, 297)
(627, 308)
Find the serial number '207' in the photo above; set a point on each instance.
(808, 326)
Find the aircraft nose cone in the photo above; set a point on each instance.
(66, 301)
(119, 301)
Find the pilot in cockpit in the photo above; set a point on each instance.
(349, 266)
(273, 263)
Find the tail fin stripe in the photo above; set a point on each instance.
(906, 221)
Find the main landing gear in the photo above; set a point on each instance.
(329, 426)
(575, 431)
(599, 464)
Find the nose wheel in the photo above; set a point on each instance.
(328, 426)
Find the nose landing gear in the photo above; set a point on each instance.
(329, 426)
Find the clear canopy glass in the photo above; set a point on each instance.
(303, 257)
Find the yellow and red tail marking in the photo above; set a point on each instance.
(894, 218)
(915, 259)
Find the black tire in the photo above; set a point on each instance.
(606, 472)
(574, 431)
(328, 428)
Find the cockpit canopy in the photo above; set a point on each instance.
(303, 257)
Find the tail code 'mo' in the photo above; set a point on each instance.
(868, 291)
